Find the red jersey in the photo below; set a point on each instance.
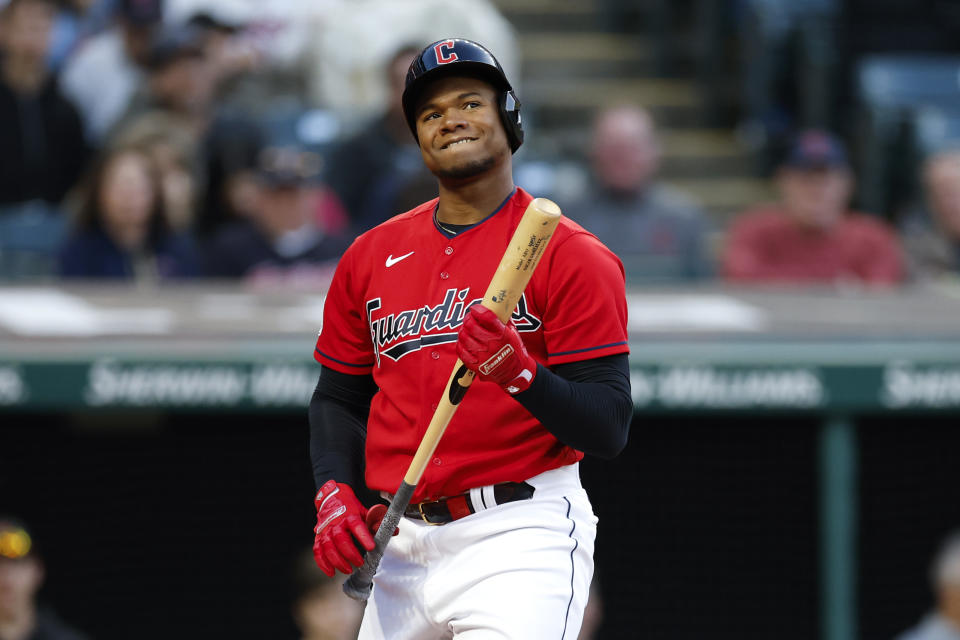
(393, 310)
(765, 245)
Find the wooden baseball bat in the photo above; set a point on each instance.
(510, 279)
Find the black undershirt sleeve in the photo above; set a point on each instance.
(585, 405)
(338, 429)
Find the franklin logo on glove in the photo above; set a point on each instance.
(496, 360)
(483, 334)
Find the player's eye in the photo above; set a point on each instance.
(473, 104)
(430, 116)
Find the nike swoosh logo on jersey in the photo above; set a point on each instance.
(392, 261)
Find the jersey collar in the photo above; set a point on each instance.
(452, 230)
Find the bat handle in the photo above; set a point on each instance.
(360, 582)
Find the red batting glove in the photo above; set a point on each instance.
(341, 523)
(495, 351)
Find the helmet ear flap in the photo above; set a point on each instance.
(510, 115)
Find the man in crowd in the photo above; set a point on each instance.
(21, 576)
(811, 236)
(107, 70)
(944, 622)
(288, 239)
(658, 233)
(42, 148)
(932, 236)
(374, 169)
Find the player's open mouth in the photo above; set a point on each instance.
(457, 142)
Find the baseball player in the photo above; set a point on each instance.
(498, 539)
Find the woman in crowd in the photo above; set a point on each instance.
(122, 231)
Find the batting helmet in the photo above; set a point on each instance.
(460, 57)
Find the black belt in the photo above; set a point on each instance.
(453, 508)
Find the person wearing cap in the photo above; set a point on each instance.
(21, 576)
(178, 83)
(811, 236)
(107, 70)
(943, 623)
(289, 237)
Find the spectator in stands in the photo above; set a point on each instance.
(232, 146)
(372, 170)
(179, 81)
(658, 233)
(21, 576)
(320, 608)
(174, 152)
(122, 230)
(943, 623)
(76, 22)
(42, 148)
(288, 239)
(810, 235)
(349, 48)
(106, 72)
(931, 235)
(229, 52)
(788, 52)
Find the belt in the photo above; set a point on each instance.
(453, 508)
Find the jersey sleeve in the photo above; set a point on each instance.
(586, 303)
(344, 342)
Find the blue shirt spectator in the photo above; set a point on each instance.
(122, 230)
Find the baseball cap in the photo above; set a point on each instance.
(142, 13)
(173, 43)
(816, 149)
(287, 166)
(15, 541)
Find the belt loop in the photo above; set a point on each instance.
(489, 498)
(476, 499)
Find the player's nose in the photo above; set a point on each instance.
(452, 120)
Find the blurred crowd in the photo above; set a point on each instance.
(152, 140)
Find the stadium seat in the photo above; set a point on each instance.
(30, 236)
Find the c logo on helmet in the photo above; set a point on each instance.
(442, 56)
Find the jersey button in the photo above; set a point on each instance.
(444, 275)
(448, 250)
(435, 355)
(437, 461)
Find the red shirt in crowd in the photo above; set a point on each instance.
(766, 245)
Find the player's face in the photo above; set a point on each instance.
(459, 127)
